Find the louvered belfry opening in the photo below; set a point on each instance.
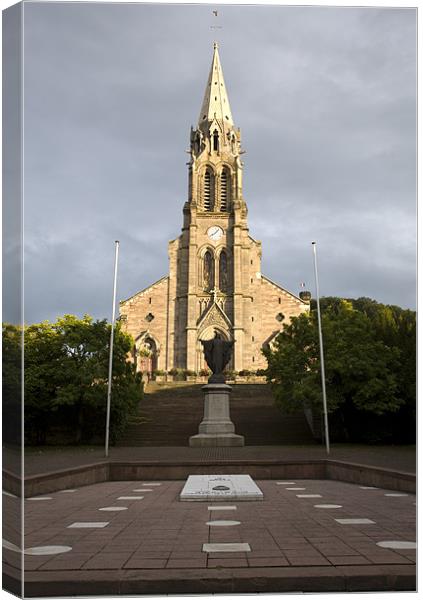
(207, 191)
(224, 191)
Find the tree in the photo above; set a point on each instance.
(11, 382)
(66, 370)
(362, 370)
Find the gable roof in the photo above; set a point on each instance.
(161, 280)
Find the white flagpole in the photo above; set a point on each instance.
(322, 362)
(109, 384)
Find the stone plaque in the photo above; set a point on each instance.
(220, 487)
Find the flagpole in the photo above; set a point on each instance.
(109, 384)
(322, 362)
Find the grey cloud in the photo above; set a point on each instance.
(325, 98)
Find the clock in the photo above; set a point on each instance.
(215, 233)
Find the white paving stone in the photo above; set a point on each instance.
(396, 495)
(222, 508)
(308, 495)
(328, 506)
(222, 523)
(231, 547)
(40, 498)
(368, 487)
(220, 487)
(355, 521)
(88, 525)
(296, 489)
(151, 484)
(8, 494)
(10, 546)
(47, 550)
(397, 545)
(131, 498)
(285, 483)
(67, 491)
(114, 508)
(142, 490)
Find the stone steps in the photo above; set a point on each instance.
(171, 414)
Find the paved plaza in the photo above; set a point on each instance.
(138, 534)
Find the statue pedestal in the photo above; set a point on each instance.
(216, 428)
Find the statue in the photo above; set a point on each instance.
(217, 353)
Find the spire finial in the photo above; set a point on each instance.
(215, 45)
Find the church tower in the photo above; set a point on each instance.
(215, 282)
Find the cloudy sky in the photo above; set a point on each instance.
(325, 99)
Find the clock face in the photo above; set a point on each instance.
(215, 233)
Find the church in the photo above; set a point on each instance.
(215, 283)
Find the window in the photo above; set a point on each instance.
(215, 140)
(223, 271)
(208, 271)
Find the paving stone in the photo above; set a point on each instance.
(348, 560)
(88, 525)
(270, 561)
(145, 563)
(70, 563)
(187, 563)
(355, 521)
(228, 563)
(107, 561)
(308, 495)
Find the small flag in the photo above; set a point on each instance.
(302, 285)
(215, 13)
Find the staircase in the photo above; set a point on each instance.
(170, 414)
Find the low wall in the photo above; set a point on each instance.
(259, 469)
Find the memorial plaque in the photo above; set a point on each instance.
(220, 487)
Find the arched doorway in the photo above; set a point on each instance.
(147, 355)
(208, 334)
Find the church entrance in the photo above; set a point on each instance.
(147, 356)
(208, 334)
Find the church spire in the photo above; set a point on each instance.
(216, 103)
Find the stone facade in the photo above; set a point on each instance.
(215, 281)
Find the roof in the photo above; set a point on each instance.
(145, 289)
(283, 289)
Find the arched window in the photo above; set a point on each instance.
(223, 271)
(224, 185)
(215, 140)
(208, 271)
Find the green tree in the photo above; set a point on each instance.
(361, 370)
(11, 382)
(66, 370)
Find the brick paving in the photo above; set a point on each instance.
(161, 534)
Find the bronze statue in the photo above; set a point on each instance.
(217, 353)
